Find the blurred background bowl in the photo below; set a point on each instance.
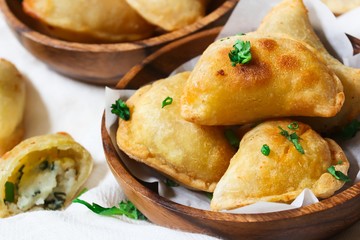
(100, 64)
(316, 221)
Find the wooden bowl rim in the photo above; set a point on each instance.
(124, 80)
(110, 47)
(116, 165)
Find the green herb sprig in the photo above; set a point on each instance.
(232, 138)
(265, 150)
(350, 130)
(9, 192)
(293, 126)
(121, 109)
(338, 174)
(56, 201)
(171, 183)
(167, 101)
(294, 138)
(241, 53)
(125, 208)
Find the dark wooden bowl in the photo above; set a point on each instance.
(316, 221)
(100, 63)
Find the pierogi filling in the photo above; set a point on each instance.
(44, 185)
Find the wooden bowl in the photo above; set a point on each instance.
(100, 63)
(316, 221)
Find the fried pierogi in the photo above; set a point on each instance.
(340, 6)
(42, 172)
(193, 155)
(12, 105)
(88, 21)
(295, 158)
(290, 17)
(283, 78)
(170, 16)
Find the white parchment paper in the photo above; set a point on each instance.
(244, 20)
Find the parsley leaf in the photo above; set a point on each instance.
(232, 138)
(171, 183)
(121, 109)
(125, 208)
(265, 150)
(294, 138)
(241, 53)
(209, 195)
(338, 174)
(293, 126)
(167, 101)
(9, 192)
(350, 130)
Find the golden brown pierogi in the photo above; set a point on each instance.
(341, 6)
(193, 155)
(88, 20)
(12, 105)
(284, 172)
(170, 16)
(284, 78)
(290, 17)
(42, 172)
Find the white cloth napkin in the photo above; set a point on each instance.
(56, 103)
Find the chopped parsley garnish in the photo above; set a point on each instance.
(121, 109)
(232, 138)
(294, 138)
(37, 192)
(44, 165)
(21, 173)
(265, 150)
(338, 174)
(55, 201)
(125, 208)
(209, 195)
(241, 53)
(167, 101)
(350, 130)
(293, 126)
(171, 183)
(9, 192)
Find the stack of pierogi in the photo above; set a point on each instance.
(111, 20)
(291, 91)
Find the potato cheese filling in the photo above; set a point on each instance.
(42, 172)
(43, 185)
